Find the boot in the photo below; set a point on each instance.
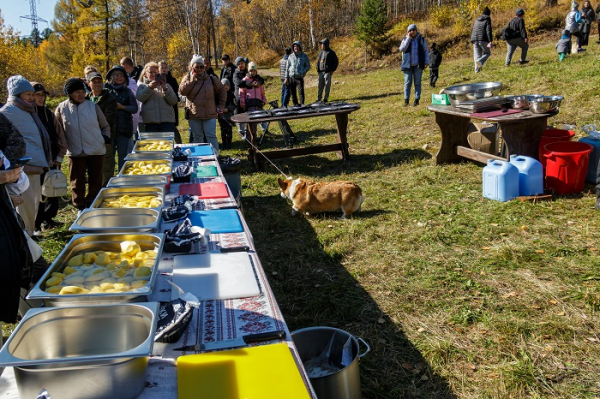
(406, 102)
(416, 102)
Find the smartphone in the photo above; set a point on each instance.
(20, 162)
(158, 78)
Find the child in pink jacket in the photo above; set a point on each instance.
(252, 97)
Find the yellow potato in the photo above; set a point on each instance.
(130, 248)
(56, 274)
(138, 284)
(96, 290)
(102, 259)
(53, 281)
(70, 289)
(76, 260)
(142, 271)
(54, 290)
(89, 258)
(111, 266)
(69, 270)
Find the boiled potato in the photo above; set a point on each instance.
(76, 260)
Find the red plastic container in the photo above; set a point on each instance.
(552, 136)
(566, 166)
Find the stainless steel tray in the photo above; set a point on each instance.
(140, 143)
(98, 242)
(148, 156)
(157, 135)
(118, 220)
(139, 180)
(112, 192)
(128, 164)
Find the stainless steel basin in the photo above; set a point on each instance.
(118, 220)
(469, 92)
(89, 352)
(148, 156)
(157, 135)
(116, 192)
(140, 180)
(143, 142)
(130, 164)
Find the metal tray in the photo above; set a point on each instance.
(118, 220)
(98, 242)
(157, 135)
(128, 164)
(148, 156)
(106, 193)
(139, 180)
(139, 143)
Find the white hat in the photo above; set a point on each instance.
(251, 66)
(197, 59)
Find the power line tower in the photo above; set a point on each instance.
(34, 22)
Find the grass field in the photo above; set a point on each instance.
(458, 296)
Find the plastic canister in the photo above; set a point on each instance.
(500, 180)
(531, 174)
(594, 140)
(566, 166)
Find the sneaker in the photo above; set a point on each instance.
(477, 70)
(523, 62)
(50, 225)
(479, 65)
(406, 103)
(37, 232)
(416, 102)
(580, 50)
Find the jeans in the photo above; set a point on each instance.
(512, 44)
(160, 127)
(296, 85)
(285, 94)
(414, 73)
(324, 83)
(123, 146)
(205, 131)
(481, 52)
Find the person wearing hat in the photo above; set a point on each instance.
(415, 58)
(163, 68)
(224, 119)
(573, 24)
(201, 90)
(117, 82)
(100, 95)
(515, 35)
(481, 37)
(563, 47)
(87, 133)
(241, 71)
(252, 96)
(20, 111)
(48, 208)
(327, 63)
(298, 65)
(157, 99)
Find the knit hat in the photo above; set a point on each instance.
(197, 59)
(72, 85)
(411, 27)
(17, 84)
(486, 11)
(520, 11)
(251, 66)
(93, 75)
(238, 59)
(225, 81)
(39, 87)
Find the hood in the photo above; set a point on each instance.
(483, 17)
(298, 43)
(325, 43)
(120, 69)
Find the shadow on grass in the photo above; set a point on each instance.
(313, 288)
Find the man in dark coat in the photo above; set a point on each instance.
(481, 37)
(227, 71)
(133, 71)
(516, 36)
(327, 63)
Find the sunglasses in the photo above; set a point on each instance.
(199, 67)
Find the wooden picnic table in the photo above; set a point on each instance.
(341, 118)
(521, 133)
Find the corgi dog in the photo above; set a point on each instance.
(312, 197)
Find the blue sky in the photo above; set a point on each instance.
(13, 9)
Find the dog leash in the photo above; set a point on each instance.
(261, 153)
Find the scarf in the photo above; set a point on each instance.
(30, 107)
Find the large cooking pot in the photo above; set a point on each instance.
(336, 383)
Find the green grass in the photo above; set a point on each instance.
(457, 296)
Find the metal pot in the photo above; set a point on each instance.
(340, 384)
(542, 105)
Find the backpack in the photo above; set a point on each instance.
(55, 184)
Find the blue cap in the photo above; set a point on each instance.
(17, 84)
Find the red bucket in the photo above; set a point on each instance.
(566, 166)
(552, 136)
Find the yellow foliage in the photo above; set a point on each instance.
(441, 16)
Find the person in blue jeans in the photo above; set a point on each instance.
(415, 58)
(285, 90)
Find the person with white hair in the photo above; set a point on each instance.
(205, 98)
(157, 99)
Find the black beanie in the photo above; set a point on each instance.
(486, 11)
(72, 85)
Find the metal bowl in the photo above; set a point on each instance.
(118, 220)
(85, 352)
(519, 102)
(545, 104)
(469, 92)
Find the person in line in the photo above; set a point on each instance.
(224, 119)
(201, 90)
(48, 208)
(134, 72)
(327, 63)
(163, 68)
(481, 37)
(20, 110)
(515, 35)
(588, 15)
(285, 90)
(117, 83)
(87, 133)
(227, 71)
(436, 61)
(109, 106)
(563, 47)
(208, 66)
(298, 65)
(238, 81)
(415, 58)
(573, 24)
(86, 71)
(252, 97)
(157, 100)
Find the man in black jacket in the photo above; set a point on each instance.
(327, 63)
(481, 37)
(227, 71)
(516, 36)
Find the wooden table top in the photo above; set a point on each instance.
(243, 118)
(518, 117)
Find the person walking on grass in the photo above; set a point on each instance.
(436, 60)
(415, 58)
(515, 35)
(481, 37)
(563, 47)
(327, 63)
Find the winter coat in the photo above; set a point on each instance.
(327, 61)
(136, 72)
(297, 64)
(515, 29)
(12, 142)
(124, 121)
(588, 14)
(171, 81)
(108, 104)
(201, 95)
(436, 59)
(482, 30)
(58, 142)
(83, 125)
(414, 49)
(157, 106)
(282, 66)
(572, 22)
(564, 45)
(25, 124)
(227, 73)
(252, 97)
